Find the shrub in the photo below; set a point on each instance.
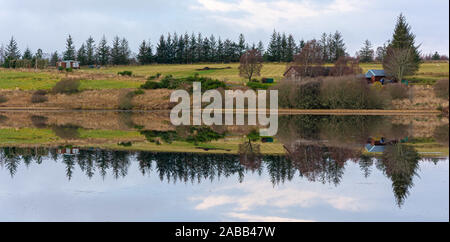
(125, 73)
(3, 99)
(296, 94)
(67, 86)
(69, 69)
(307, 95)
(396, 90)
(39, 96)
(441, 89)
(126, 100)
(125, 144)
(139, 92)
(350, 92)
(68, 131)
(39, 122)
(170, 82)
(158, 75)
(257, 85)
(151, 85)
(3, 118)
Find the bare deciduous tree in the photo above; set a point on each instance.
(346, 66)
(250, 64)
(310, 59)
(399, 62)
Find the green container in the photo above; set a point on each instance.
(268, 80)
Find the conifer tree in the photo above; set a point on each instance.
(366, 53)
(27, 55)
(403, 38)
(69, 54)
(90, 51)
(81, 55)
(103, 52)
(54, 59)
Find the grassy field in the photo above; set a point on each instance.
(106, 78)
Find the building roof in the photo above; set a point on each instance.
(373, 72)
(374, 148)
(296, 68)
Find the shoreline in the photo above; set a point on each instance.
(280, 111)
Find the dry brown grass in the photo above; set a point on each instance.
(423, 98)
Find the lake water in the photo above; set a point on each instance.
(107, 166)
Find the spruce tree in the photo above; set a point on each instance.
(81, 55)
(260, 47)
(115, 52)
(291, 48)
(27, 55)
(436, 56)
(220, 50)
(145, 53)
(12, 51)
(39, 54)
(272, 48)
(69, 54)
(403, 38)
(366, 53)
(241, 45)
(338, 46)
(161, 55)
(103, 52)
(54, 59)
(90, 51)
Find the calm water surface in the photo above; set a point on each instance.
(324, 174)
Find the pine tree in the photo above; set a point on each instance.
(54, 59)
(260, 47)
(81, 55)
(213, 49)
(366, 53)
(272, 48)
(115, 52)
(145, 55)
(161, 55)
(90, 51)
(12, 51)
(103, 52)
(2, 55)
(241, 45)
(278, 55)
(403, 38)
(39, 54)
(291, 48)
(324, 44)
(381, 53)
(338, 46)
(283, 49)
(69, 54)
(124, 52)
(27, 55)
(436, 56)
(220, 51)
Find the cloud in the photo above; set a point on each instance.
(262, 194)
(257, 218)
(266, 14)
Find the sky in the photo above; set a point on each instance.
(46, 24)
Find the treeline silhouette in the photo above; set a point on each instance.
(173, 48)
(316, 163)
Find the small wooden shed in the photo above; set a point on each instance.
(67, 64)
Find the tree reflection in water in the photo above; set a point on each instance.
(316, 163)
